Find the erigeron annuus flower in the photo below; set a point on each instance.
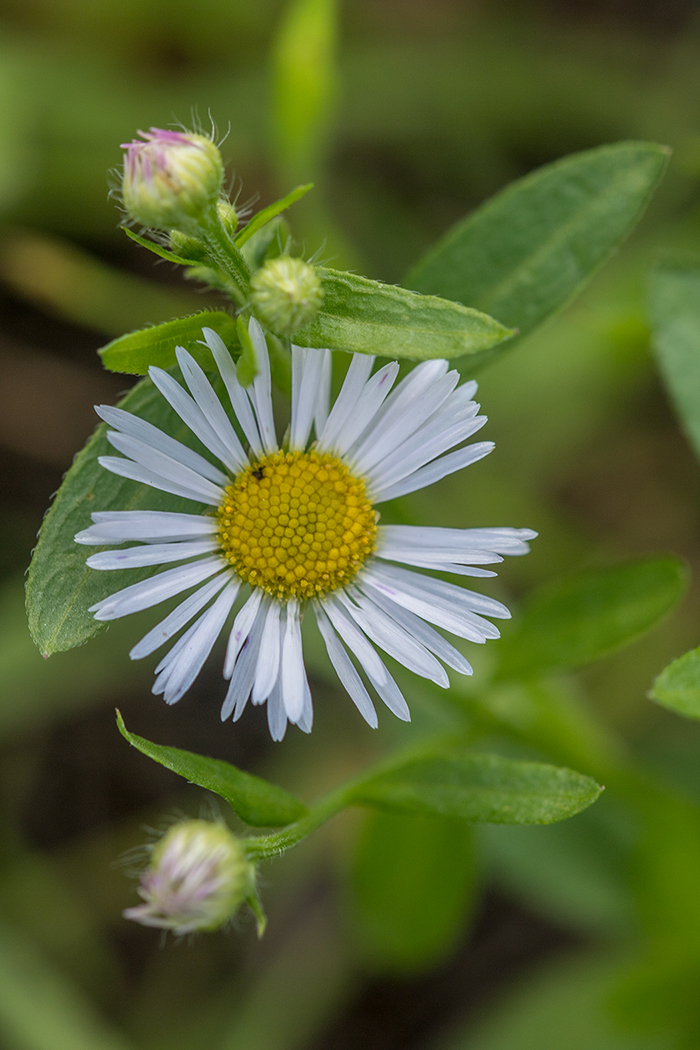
(294, 528)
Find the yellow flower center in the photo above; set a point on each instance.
(298, 524)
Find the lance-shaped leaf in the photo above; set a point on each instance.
(271, 212)
(60, 587)
(675, 318)
(532, 247)
(479, 788)
(367, 317)
(586, 616)
(135, 352)
(678, 685)
(256, 801)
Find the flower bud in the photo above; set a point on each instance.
(197, 878)
(285, 294)
(171, 179)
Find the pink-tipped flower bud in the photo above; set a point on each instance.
(171, 179)
(197, 878)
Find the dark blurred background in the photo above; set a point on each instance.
(426, 109)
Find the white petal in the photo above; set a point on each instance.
(186, 659)
(306, 719)
(307, 374)
(324, 394)
(276, 714)
(372, 664)
(135, 472)
(421, 630)
(499, 540)
(159, 463)
(393, 638)
(190, 413)
(243, 674)
(345, 669)
(150, 554)
(427, 443)
(293, 674)
(298, 360)
(435, 609)
(412, 388)
(443, 566)
(148, 526)
(433, 472)
(505, 541)
(155, 438)
(449, 592)
(180, 616)
(368, 404)
(357, 375)
(262, 388)
(268, 665)
(212, 409)
(408, 413)
(146, 593)
(240, 401)
(242, 627)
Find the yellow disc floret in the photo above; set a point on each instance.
(298, 524)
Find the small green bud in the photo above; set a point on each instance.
(197, 878)
(187, 247)
(171, 179)
(228, 216)
(191, 247)
(285, 294)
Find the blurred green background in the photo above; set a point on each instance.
(407, 114)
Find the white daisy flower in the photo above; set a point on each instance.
(294, 528)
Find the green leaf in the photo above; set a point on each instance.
(527, 251)
(479, 788)
(271, 212)
(60, 587)
(366, 317)
(678, 685)
(137, 351)
(413, 884)
(158, 249)
(589, 615)
(256, 801)
(675, 317)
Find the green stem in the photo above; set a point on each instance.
(226, 257)
(264, 846)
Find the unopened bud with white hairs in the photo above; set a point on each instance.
(285, 295)
(171, 179)
(197, 878)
